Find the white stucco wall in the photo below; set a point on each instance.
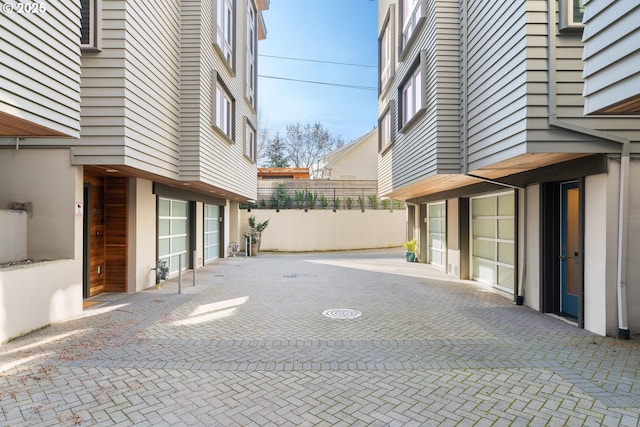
(45, 179)
(36, 295)
(633, 249)
(598, 242)
(529, 249)
(142, 235)
(601, 250)
(13, 235)
(294, 230)
(33, 296)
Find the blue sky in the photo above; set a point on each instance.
(343, 31)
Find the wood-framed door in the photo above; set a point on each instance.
(105, 234)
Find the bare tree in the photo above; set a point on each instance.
(264, 137)
(306, 145)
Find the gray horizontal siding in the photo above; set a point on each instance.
(431, 145)
(612, 52)
(496, 54)
(205, 154)
(131, 97)
(40, 67)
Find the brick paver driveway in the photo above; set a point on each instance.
(249, 345)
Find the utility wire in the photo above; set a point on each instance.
(321, 83)
(319, 61)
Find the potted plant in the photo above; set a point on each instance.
(410, 247)
(255, 233)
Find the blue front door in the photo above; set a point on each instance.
(570, 248)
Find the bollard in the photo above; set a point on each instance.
(180, 273)
(194, 267)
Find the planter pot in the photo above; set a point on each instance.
(254, 249)
(410, 256)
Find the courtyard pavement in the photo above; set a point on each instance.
(249, 345)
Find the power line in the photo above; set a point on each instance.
(321, 83)
(319, 61)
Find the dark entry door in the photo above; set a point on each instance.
(570, 248)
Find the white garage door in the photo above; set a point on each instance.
(493, 240)
(173, 233)
(211, 232)
(437, 233)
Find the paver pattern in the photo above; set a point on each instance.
(248, 346)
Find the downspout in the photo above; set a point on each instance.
(623, 223)
(621, 274)
(465, 88)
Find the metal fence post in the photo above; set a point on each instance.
(194, 267)
(180, 273)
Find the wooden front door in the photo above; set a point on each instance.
(105, 233)
(94, 236)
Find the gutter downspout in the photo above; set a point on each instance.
(621, 274)
(623, 223)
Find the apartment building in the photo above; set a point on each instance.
(483, 132)
(140, 135)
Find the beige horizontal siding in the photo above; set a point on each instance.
(40, 66)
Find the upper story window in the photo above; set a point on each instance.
(411, 13)
(571, 13)
(250, 142)
(385, 129)
(385, 46)
(252, 40)
(89, 24)
(224, 110)
(411, 95)
(225, 21)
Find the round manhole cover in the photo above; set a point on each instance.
(341, 313)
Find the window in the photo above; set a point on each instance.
(385, 45)
(411, 95)
(385, 129)
(411, 13)
(224, 110)
(571, 14)
(251, 53)
(225, 21)
(89, 23)
(250, 142)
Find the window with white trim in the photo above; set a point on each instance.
(411, 94)
(225, 20)
(89, 23)
(250, 142)
(411, 13)
(571, 14)
(385, 133)
(386, 56)
(224, 107)
(251, 53)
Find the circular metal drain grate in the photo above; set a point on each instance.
(341, 313)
